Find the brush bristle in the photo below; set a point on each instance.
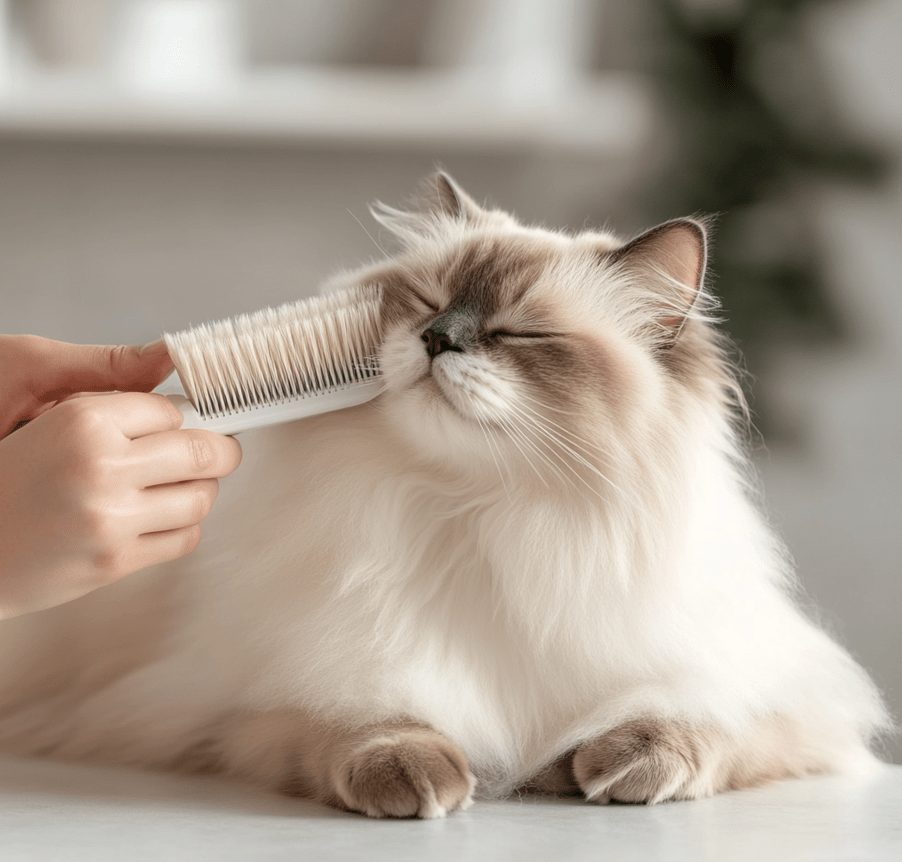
(281, 354)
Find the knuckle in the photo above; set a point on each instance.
(200, 450)
(90, 476)
(168, 417)
(98, 528)
(116, 357)
(110, 565)
(168, 411)
(85, 418)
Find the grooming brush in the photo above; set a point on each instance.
(280, 364)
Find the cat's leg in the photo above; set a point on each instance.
(651, 760)
(391, 769)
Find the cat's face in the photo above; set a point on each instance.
(522, 352)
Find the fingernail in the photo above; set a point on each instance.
(158, 346)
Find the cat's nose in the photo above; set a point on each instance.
(437, 342)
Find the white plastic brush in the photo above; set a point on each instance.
(279, 364)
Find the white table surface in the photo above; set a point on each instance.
(60, 812)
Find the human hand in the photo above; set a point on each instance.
(99, 486)
(36, 373)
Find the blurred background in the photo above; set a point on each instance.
(165, 162)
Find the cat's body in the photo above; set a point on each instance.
(534, 554)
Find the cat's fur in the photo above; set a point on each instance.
(532, 562)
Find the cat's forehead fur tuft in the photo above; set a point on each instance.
(490, 273)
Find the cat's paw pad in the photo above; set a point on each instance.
(406, 774)
(642, 761)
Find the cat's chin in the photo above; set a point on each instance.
(443, 399)
(438, 430)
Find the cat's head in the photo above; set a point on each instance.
(542, 357)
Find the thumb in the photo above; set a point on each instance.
(69, 368)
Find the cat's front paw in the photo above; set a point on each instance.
(415, 773)
(645, 760)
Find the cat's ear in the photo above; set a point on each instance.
(668, 261)
(439, 198)
(441, 195)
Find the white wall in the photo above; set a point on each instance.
(839, 498)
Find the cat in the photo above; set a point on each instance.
(535, 561)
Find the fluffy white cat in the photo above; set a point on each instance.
(534, 561)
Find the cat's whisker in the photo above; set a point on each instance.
(382, 250)
(537, 423)
(577, 452)
(519, 431)
(546, 453)
(517, 440)
(591, 446)
(523, 437)
(589, 466)
(568, 477)
(476, 413)
(544, 406)
(566, 435)
(555, 433)
(488, 439)
(520, 441)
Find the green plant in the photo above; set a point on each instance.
(755, 128)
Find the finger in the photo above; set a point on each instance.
(16, 421)
(61, 368)
(133, 414)
(151, 549)
(172, 507)
(179, 456)
(73, 395)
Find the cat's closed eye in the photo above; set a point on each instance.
(427, 303)
(498, 334)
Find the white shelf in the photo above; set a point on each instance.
(606, 115)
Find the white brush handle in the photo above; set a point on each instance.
(289, 411)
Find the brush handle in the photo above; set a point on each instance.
(288, 411)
